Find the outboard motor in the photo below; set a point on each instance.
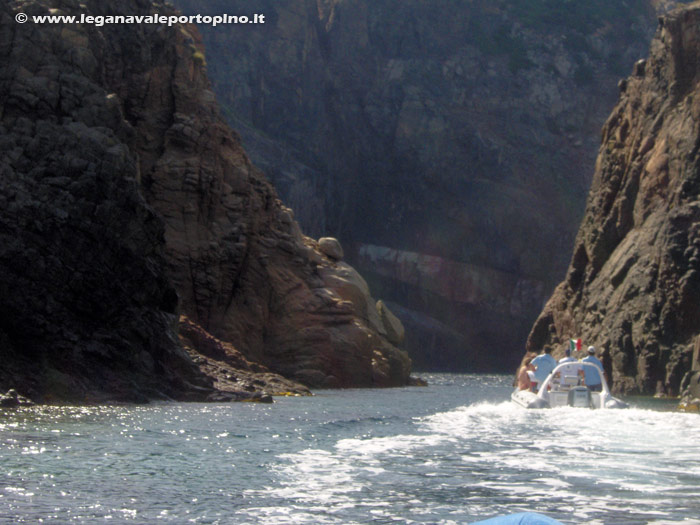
(580, 397)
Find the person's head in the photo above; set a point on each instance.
(591, 350)
(548, 350)
(567, 351)
(527, 360)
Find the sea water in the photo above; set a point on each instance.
(456, 451)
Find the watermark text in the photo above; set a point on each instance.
(100, 20)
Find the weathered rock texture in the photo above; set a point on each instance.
(85, 303)
(125, 200)
(234, 377)
(463, 131)
(633, 284)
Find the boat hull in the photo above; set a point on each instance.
(564, 388)
(527, 399)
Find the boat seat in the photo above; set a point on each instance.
(569, 380)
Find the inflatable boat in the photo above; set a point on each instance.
(565, 386)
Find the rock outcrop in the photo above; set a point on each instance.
(331, 247)
(462, 131)
(13, 400)
(125, 200)
(633, 284)
(234, 377)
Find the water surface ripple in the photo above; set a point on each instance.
(454, 452)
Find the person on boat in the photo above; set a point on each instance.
(524, 378)
(567, 358)
(544, 364)
(592, 376)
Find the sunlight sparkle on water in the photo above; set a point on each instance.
(453, 452)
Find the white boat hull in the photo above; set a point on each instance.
(527, 399)
(562, 388)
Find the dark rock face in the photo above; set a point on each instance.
(459, 131)
(85, 304)
(634, 280)
(124, 199)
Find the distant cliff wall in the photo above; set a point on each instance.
(471, 297)
(459, 130)
(633, 284)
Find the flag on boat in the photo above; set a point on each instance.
(575, 345)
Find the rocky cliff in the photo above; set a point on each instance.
(633, 283)
(125, 201)
(457, 132)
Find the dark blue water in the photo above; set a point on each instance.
(454, 452)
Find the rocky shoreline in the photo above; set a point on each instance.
(12, 399)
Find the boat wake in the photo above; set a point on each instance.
(496, 458)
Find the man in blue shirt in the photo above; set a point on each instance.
(545, 363)
(592, 376)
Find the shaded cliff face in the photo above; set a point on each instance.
(633, 284)
(126, 200)
(463, 131)
(237, 257)
(85, 302)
